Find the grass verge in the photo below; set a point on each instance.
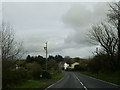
(111, 77)
(42, 83)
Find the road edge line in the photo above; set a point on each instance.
(53, 84)
(101, 80)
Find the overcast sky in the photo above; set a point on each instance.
(64, 25)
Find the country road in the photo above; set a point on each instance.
(77, 80)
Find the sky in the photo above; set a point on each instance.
(64, 25)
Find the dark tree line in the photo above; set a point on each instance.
(38, 59)
(42, 60)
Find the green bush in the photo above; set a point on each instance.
(33, 70)
(78, 68)
(36, 74)
(13, 77)
(46, 74)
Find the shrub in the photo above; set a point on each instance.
(78, 68)
(36, 74)
(13, 77)
(34, 70)
(46, 74)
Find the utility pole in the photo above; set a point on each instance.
(46, 54)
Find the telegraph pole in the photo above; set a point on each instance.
(46, 54)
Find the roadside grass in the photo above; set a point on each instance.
(111, 77)
(42, 83)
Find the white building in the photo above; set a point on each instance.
(66, 65)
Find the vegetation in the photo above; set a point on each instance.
(26, 71)
(43, 83)
(113, 78)
(114, 19)
(107, 34)
(10, 49)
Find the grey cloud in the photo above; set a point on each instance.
(0, 12)
(63, 25)
(33, 14)
(77, 16)
(80, 18)
(85, 52)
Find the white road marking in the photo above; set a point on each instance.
(85, 88)
(101, 80)
(81, 82)
(50, 86)
(54, 83)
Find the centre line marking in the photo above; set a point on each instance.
(81, 82)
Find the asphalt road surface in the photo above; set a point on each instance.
(76, 80)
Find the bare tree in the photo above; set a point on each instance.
(10, 49)
(114, 19)
(106, 36)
